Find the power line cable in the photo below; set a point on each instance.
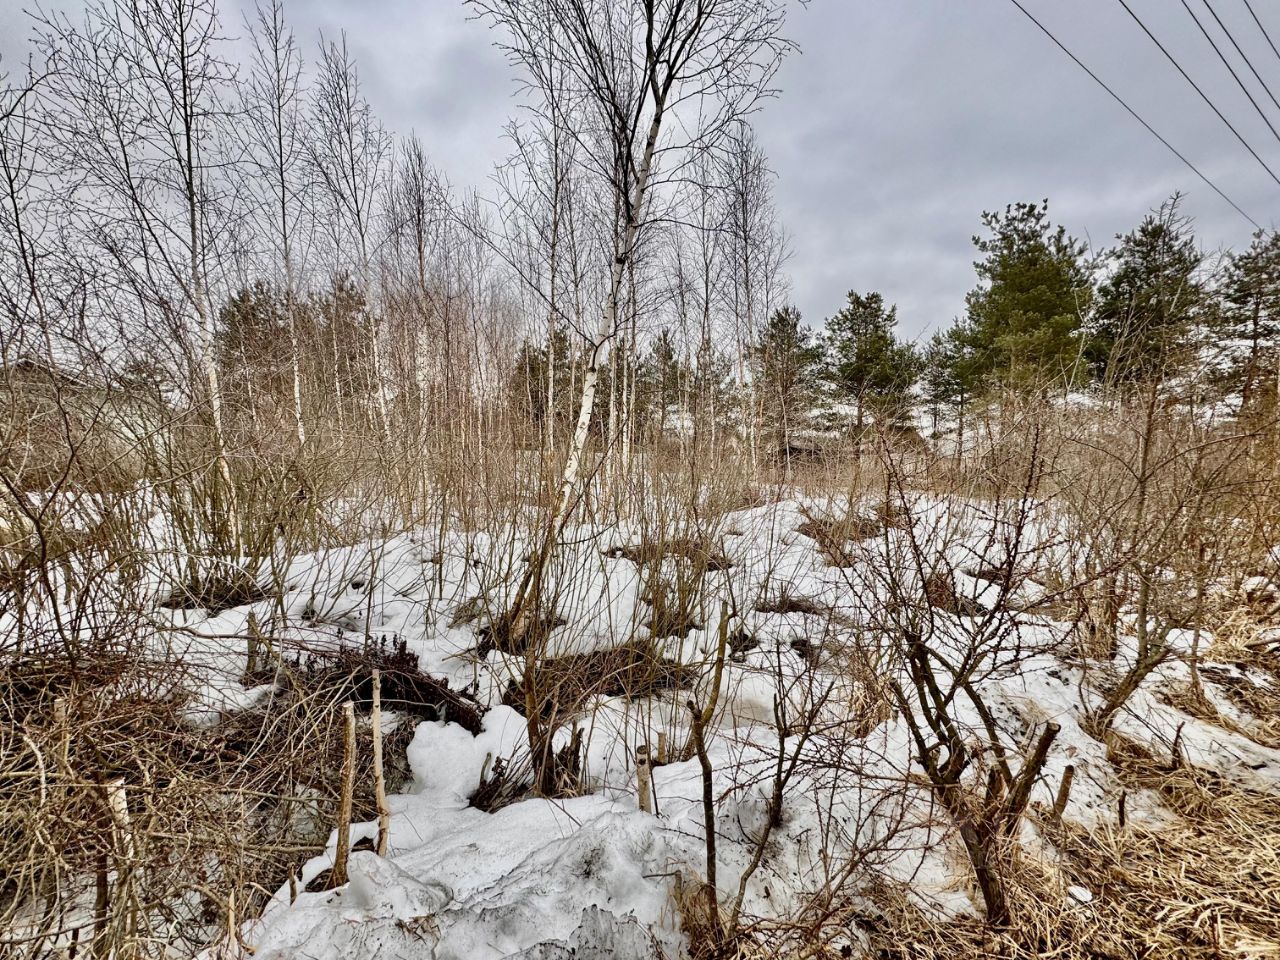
(1203, 96)
(1244, 56)
(1133, 113)
(1262, 28)
(1230, 69)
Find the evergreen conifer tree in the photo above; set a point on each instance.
(1025, 316)
(1148, 307)
(865, 362)
(664, 376)
(786, 364)
(949, 375)
(535, 364)
(1251, 318)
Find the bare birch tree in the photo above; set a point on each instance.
(418, 230)
(139, 111)
(643, 76)
(350, 151)
(273, 113)
(21, 298)
(754, 250)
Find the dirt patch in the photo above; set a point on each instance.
(940, 592)
(515, 636)
(703, 554)
(674, 606)
(790, 603)
(348, 674)
(215, 592)
(469, 611)
(893, 515)
(833, 535)
(564, 685)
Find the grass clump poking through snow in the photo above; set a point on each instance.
(1201, 883)
(157, 819)
(832, 535)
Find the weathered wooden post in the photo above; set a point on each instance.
(379, 781)
(644, 788)
(1064, 791)
(343, 846)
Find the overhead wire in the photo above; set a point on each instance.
(1243, 56)
(1230, 69)
(1203, 96)
(1253, 14)
(1134, 113)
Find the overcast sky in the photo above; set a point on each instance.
(896, 126)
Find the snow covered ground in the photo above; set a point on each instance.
(594, 875)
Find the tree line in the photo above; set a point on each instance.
(245, 238)
(1046, 317)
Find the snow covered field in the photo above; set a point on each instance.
(809, 646)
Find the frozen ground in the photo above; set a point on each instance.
(592, 875)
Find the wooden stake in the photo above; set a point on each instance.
(122, 835)
(1064, 791)
(644, 789)
(252, 653)
(662, 747)
(101, 904)
(121, 847)
(60, 720)
(118, 802)
(233, 931)
(64, 748)
(343, 849)
(1020, 790)
(379, 783)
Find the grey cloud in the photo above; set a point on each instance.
(897, 125)
(902, 122)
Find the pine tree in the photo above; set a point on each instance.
(1251, 318)
(949, 375)
(663, 375)
(534, 364)
(251, 347)
(1034, 289)
(1149, 305)
(865, 362)
(786, 360)
(712, 388)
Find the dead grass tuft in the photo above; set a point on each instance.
(1202, 885)
(129, 816)
(634, 670)
(703, 554)
(833, 535)
(787, 602)
(215, 592)
(940, 591)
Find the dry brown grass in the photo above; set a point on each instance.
(1244, 635)
(1193, 702)
(834, 534)
(1205, 885)
(1243, 638)
(634, 670)
(125, 823)
(703, 554)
